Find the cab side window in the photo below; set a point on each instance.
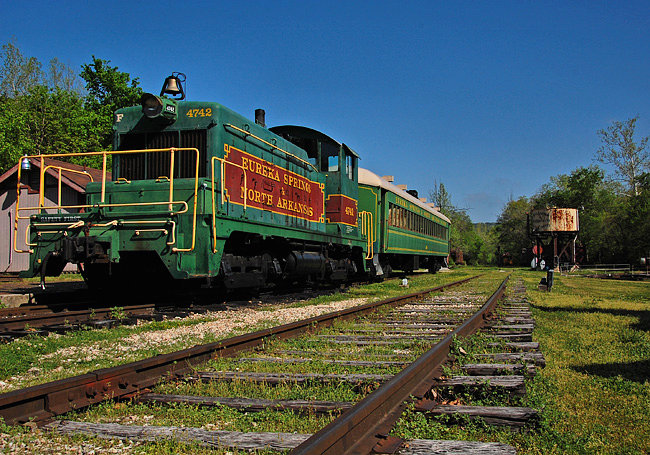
(349, 166)
(333, 163)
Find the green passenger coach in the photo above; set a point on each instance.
(402, 231)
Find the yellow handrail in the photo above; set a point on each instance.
(196, 190)
(369, 232)
(274, 147)
(102, 204)
(87, 206)
(222, 162)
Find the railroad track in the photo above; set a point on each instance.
(42, 319)
(65, 313)
(69, 311)
(383, 341)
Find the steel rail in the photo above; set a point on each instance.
(43, 318)
(41, 402)
(368, 423)
(23, 310)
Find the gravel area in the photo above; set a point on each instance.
(40, 442)
(128, 349)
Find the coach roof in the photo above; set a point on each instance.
(369, 178)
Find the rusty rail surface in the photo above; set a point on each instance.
(34, 308)
(366, 425)
(41, 402)
(42, 319)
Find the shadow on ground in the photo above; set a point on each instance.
(633, 371)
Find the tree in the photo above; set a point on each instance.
(512, 228)
(440, 197)
(18, 73)
(628, 157)
(108, 90)
(46, 121)
(63, 77)
(45, 113)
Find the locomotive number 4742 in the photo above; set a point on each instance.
(207, 112)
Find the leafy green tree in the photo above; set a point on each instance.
(512, 228)
(108, 90)
(462, 235)
(619, 149)
(487, 252)
(13, 144)
(46, 121)
(47, 112)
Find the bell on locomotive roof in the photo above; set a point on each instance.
(173, 85)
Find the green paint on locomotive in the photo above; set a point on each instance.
(135, 217)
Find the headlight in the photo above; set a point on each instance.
(157, 107)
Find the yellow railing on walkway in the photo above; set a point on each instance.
(63, 226)
(222, 188)
(367, 229)
(248, 134)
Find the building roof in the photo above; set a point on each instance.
(74, 180)
(369, 178)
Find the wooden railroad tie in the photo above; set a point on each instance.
(494, 415)
(350, 363)
(250, 405)
(492, 369)
(257, 441)
(306, 353)
(513, 384)
(522, 346)
(283, 378)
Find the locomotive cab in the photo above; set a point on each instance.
(339, 163)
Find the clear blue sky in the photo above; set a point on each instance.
(490, 98)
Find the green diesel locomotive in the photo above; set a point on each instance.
(200, 195)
